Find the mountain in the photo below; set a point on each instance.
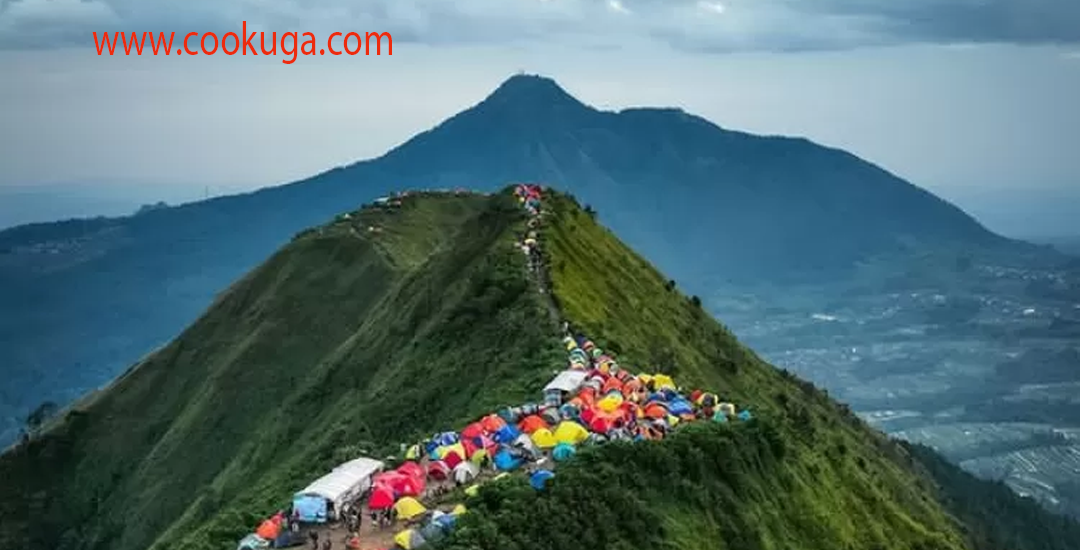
(83, 298)
(389, 323)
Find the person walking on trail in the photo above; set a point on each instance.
(314, 536)
(326, 544)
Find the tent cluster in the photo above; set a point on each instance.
(592, 401)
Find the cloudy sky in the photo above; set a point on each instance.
(973, 99)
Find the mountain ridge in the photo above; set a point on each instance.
(393, 322)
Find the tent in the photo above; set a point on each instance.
(269, 530)
(310, 508)
(543, 438)
(465, 472)
(382, 497)
(345, 483)
(438, 470)
(408, 508)
(539, 478)
(532, 423)
(525, 443)
(507, 434)
(409, 539)
(504, 460)
(459, 510)
(563, 452)
(570, 432)
(411, 469)
(432, 532)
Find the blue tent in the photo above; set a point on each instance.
(745, 415)
(507, 434)
(504, 460)
(446, 521)
(563, 451)
(680, 407)
(311, 508)
(539, 478)
(445, 438)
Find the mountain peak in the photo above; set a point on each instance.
(530, 90)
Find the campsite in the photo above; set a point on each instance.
(400, 502)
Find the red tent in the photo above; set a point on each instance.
(411, 469)
(382, 497)
(472, 430)
(451, 459)
(439, 470)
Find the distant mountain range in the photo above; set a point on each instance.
(84, 299)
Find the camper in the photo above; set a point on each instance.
(324, 499)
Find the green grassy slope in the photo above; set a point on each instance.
(344, 336)
(810, 475)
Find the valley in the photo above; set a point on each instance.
(986, 372)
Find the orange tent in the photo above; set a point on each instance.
(532, 423)
(269, 530)
(656, 410)
(492, 423)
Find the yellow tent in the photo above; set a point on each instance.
(663, 381)
(472, 490)
(408, 508)
(610, 402)
(500, 476)
(447, 449)
(570, 432)
(543, 438)
(413, 453)
(672, 420)
(458, 510)
(409, 539)
(479, 457)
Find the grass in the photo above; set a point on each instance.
(807, 475)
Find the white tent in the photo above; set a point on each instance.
(345, 483)
(566, 381)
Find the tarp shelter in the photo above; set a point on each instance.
(345, 483)
(567, 381)
(310, 508)
(252, 542)
(408, 508)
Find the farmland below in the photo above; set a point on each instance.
(985, 369)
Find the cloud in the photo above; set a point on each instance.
(709, 25)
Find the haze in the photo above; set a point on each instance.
(977, 104)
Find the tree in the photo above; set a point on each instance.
(40, 415)
(696, 301)
(590, 211)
